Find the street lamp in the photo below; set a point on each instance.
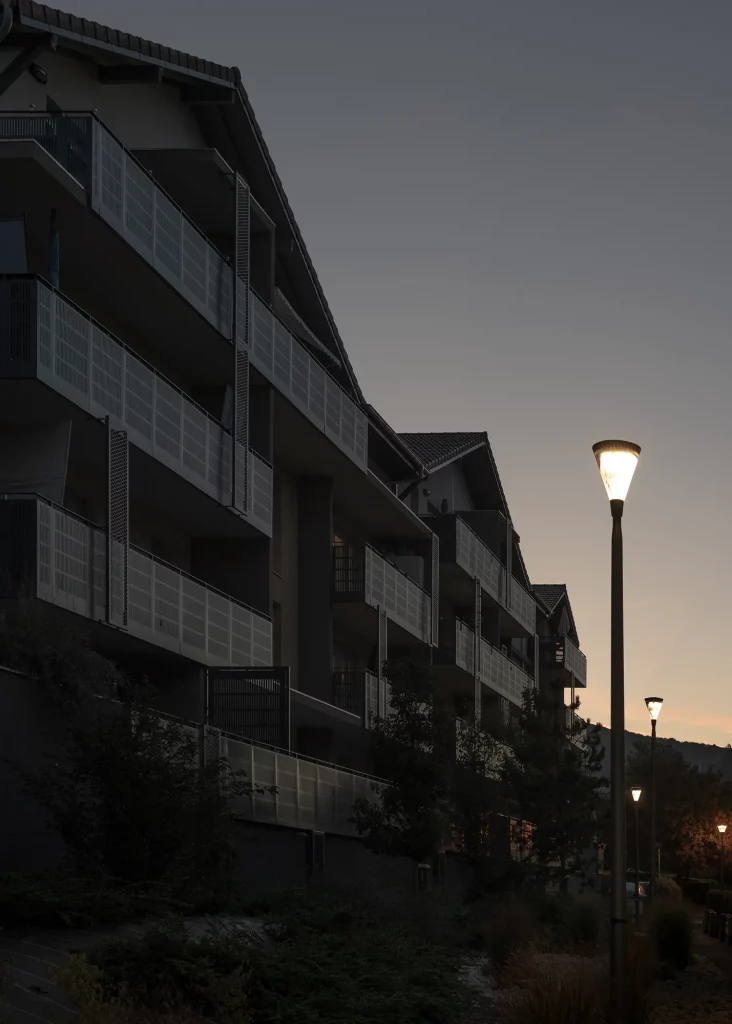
(722, 830)
(654, 705)
(636, 794)
(617, 462)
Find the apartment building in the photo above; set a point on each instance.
(187, 463)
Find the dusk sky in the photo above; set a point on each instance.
(520, 214)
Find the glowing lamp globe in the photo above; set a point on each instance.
(722, 828)
(617, 461)
(636, 794)
(654, 705)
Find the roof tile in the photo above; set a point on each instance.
(436, 449)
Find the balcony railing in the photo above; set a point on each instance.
(287, 363)
(48, 336)
(477, 559)
(358, 693)
(362, 573)
(64, 560)
(292, 790)
(496, 670)
(126, 196)
(575, 661)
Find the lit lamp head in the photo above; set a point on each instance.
(722, 828)
(654, 705)
(636, 794)
(617, 461)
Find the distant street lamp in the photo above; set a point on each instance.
(654, 705)
(617, 462)
(722, 830)
(636, 794)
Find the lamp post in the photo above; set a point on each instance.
(636, 794)
(654, 705)
(722, 830)
(617, 461)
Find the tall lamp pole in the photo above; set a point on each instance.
(636, 794)
(654, 705)
(617, 461)
(722, 830)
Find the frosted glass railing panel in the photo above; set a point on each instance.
(288, 364)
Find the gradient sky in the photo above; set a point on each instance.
(520, 213)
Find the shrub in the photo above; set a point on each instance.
(554, 993)
(696, 889)
(668, 888)
(509, 927)
(671, 932)
(165, 973)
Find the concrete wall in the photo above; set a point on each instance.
(141, 116)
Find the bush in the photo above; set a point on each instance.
(671, 932)
(165, 973)
(553, 993)
(696, 889)
(668, 888)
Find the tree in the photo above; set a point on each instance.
(131, 800)
(689, 805)
(411, 817)
(553, 778)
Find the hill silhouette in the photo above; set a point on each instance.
(702, 755)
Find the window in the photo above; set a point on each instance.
(13, 251)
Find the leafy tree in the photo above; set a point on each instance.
(131, 800)
(689, 805)
(476, 791)
(553, 778)
(410, 748)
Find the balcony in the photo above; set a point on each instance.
(461, 549)
(300, 792)
(362, 576)
(45, 336)
(126, 196)
(496, 670)
(563, 660)
(284, 361)
(358, 693)
(62, 559)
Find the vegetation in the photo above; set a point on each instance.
(690, 804)
(555, 785)
(671, 931)
(327, 960)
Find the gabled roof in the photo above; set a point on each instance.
(435, 450)
(76, 31)
(552, 595)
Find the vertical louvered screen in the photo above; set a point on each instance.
(240, 481)
(252, 703)
(117, 525)
(435, 590)
(241, 432)
(383, 659)
(18, 327)
(477, 650)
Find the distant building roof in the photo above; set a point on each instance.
(550, 593)
(438, 449)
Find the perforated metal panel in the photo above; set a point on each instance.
(383, 657)
(477, 652)
(435, 590)
(240, 497)
(242, 256)
(117, 526)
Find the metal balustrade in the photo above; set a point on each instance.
(75, 357)
(496, 670)
(360, 572)
(575, 661)
(127, 197)
(477, 559)
(166, 607)
(296, 791)
(522, 605)
(357, 691)
(287, 363)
